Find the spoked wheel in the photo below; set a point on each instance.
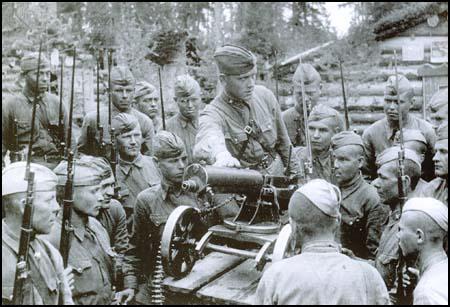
(182, 231)
(284, 245)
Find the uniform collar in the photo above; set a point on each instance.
(390, 129)
(394, 217)
(436, 258)
(351, 187)
(126, 166)
(235, 102)
(185, 121)
(30, 96)
(321, 247)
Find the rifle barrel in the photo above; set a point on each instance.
(162, 99)
(347, 120)
(60, 119)
(72, 94)
(308, 169)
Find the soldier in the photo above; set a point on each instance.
(19, 108)
(153, 207)
(438, 187)
(422, 228)
(242, 126)
(387, 186)
(90, 253)
(122, 88)
(361, 211)
(380, 135)
(438, 108)
(185, 123)
(135, 171)
(323, 123)
(146, 101)
(293, 117)
(321, 274)
(46, 281)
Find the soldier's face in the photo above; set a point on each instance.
(148, 106)
(409, 236)
(108, 191)
(122, 96)
(320, 134)
(173, 168)
(438, 117)
(189, 106)
(441, 158)
(348, 160)
(130, 144)
(386, 183)
(45, 210)
(44, 79)
(391, 107)
(241, 86)
(88, 200)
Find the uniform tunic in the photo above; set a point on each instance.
(153, 207)
(321, 275)
(432, 288)
(437, 188)
(46, 139)
(89, 140)
(321, 165)
(92, 260)
(186, 130)
(46, 282)
(295, 126)
(222, 128)
(362, 218)
(380, 136)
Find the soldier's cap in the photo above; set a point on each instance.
(442, 132)
(322, 194)
(311, 78)
(234, 60)
(30, 62)
(439, 100)
(124, 122)
(391, 154)
(345, 138)
(186, 86)
(13, 178)
(100, 163)
(432, 207)
(143, 89)
(168, 145)
(404, 87)
(321, 111)
(84, 173)
(410, 135)
(121, 75)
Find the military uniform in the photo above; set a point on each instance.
(322, 166)
(293, 119)
(432, 288)
(114, 220)
(186, 130)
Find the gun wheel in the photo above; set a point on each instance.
(284, 245)
(182, 231)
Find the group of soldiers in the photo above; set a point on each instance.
(348, 217)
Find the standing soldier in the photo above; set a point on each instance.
(422, 230)
(362, 213)
(381, 134)
(146, 101)
(293, 117)
(242, 126)
(438, 108)
(90, 253)
(16, 115)
(321, 274)
(387, 186)
(135, 172)
(46, 281)
(185, 123)
(323, 123)
(122, 88)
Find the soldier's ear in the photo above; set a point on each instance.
(420, 236)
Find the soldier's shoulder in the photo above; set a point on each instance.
(266, 94)
(11, 99)
(289, 113)
(171, 122)
(150, 195)
(423, 124)
(375, 127)
(369, 191)
(116, 207)
(52, 98)
(141, 116)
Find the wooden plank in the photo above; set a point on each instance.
(237, 286)
(204, 271)
(366, 89)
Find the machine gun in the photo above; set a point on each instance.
(307, 165)
(22, 267)
(185, 238)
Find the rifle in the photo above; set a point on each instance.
(22, 269)
(308, 166)
(162, 100)
(66, 228)
(347, 121)
(276, 75)
(60, 117)
(99, 126)
(15, 151)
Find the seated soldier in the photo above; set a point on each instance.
(146, 101)
(387, 187)
(438, 108)
(422, 230)
(323, 123)
(321, 274)
(362, 213)
(46, 280)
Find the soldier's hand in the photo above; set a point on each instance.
(124, 297)
(225, 159)
(410, 276)
(69, 277)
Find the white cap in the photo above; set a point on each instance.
(431, 207)
(324, 195)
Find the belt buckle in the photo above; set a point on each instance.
(248, 130)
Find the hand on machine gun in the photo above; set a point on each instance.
(225, 159)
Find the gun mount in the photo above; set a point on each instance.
(262, 201)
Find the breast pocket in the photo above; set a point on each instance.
(82, 270)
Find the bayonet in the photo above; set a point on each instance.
(61, 115)
(162, 100)
(347, 120)
(308, 166)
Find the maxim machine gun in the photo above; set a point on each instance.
(262, 200)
